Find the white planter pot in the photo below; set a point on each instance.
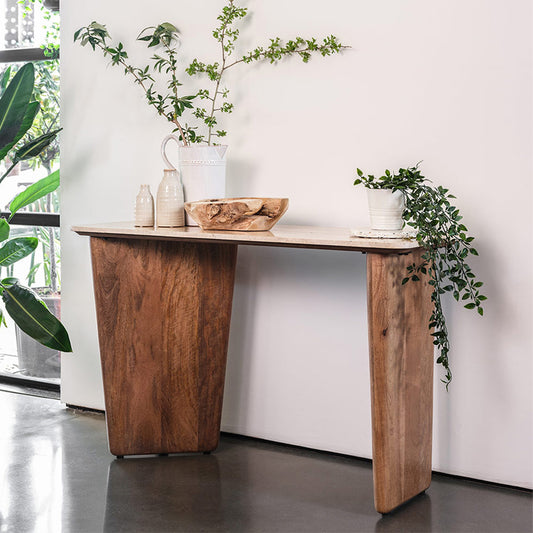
(386, 208)
(203, 171)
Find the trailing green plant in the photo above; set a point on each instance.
(18, 111)
(214, 99)
(447, 246)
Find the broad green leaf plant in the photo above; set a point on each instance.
(204, 106)
(17, 113)
(46, 92)
(442, 234)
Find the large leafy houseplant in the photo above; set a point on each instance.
(447, 247)
(46, 91)
(204, 106)
(18, 111)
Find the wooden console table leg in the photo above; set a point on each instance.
(163, 312)
(401, 373)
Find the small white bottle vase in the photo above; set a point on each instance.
(144, 207)
(170, 212)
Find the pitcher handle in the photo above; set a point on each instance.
(168, 164)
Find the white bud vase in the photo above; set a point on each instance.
(386, 208)
(170, 212)
(144, 207)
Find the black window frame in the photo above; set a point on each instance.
(18, 55)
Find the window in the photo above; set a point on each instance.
(31, 33)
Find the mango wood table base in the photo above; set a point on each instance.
(401, 373)
(163, 298)
(163, 312)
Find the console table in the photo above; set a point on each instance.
(163, 301)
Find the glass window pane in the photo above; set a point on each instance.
(27, 172)
(19, 354)
(27, 24)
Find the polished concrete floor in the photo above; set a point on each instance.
(57, 476)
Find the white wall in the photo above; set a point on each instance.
(447, 82)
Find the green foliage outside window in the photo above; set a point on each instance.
(18, 111)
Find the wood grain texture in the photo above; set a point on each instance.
(401, 370)
(238, 214)
(163, 312)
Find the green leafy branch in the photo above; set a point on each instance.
(444, 237)
(226, 34)
(171, 106)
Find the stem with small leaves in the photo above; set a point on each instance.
(95, 35)
(274, 52)
(217, 86)
(174, 83)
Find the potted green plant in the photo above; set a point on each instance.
(43, 278)
(34, 359)
(442, 234)
(195, 116)
(18, 111)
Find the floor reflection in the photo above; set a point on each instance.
(413, 516)
(155, 493)
(31, 470)
(238, 488)
(265, 488)
(57, 476)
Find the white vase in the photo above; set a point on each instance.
(144, 207)
(170, 211)
(203, 171)
(386, 208)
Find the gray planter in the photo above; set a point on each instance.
(36, 360)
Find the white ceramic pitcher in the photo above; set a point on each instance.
(203, 171)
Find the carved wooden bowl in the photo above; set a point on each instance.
(238, 214)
